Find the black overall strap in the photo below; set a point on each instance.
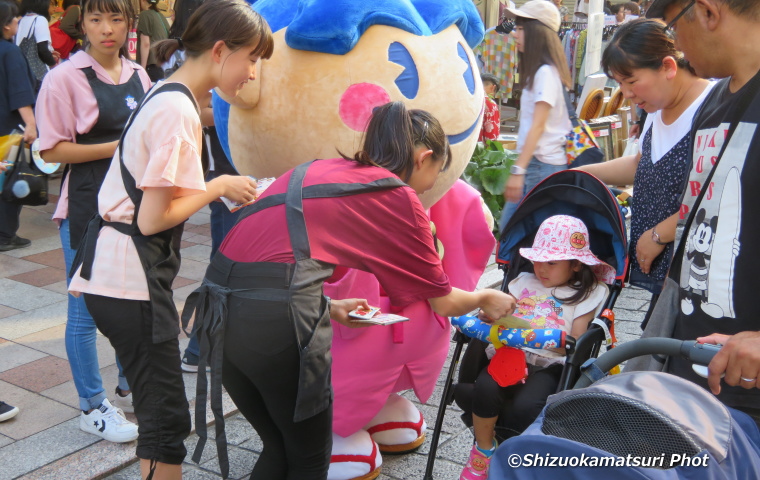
(85, 255)
(327, 190)
(209, 302)
(116, 102)
(135, 194)
(299, 237)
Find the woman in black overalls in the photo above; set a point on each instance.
(84, 105)
(261, 316)
(154, 184)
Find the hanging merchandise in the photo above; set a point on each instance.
(499, 55)
(573, 36)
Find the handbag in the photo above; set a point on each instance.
(25, 184)
(28, 47)
(61, 41)
(580, 145)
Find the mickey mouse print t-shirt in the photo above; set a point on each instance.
(543, 307)
(718, 268)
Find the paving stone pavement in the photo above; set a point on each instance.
(44, 440)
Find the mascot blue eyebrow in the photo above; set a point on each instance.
(335, 26)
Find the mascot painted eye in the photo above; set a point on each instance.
(409, 80)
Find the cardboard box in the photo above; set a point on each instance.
(509, 142)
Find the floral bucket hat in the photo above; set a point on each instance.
(563, 237)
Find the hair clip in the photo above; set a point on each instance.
(424, 132)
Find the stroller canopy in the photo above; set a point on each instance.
(636, 425)
(578, 194)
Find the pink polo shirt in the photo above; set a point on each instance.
(66, 106)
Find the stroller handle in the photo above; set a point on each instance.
(699, 353)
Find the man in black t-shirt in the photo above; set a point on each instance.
(715, 269)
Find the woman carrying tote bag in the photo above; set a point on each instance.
(33, 37)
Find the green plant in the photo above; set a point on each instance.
(488, 171)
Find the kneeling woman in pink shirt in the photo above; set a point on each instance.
(129, 255)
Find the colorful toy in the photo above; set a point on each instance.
(542, 338)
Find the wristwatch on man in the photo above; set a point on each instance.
(656, 237)
(517, 170)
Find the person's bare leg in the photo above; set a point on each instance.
(164, 471)
(484, 431)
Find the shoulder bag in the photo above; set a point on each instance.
(580, 145)
(28, 47)
(25, 184)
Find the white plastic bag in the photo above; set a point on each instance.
(631, 146)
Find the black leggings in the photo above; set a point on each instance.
(525, 400)
(154, 373)
(260, 373)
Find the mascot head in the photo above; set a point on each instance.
(334, 61)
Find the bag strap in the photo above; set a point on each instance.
(575, 121)
(736, 116)
(570, 110)
(31, 28)
(162, 21)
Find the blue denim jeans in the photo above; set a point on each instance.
(222, 221)
(537, 171)
(81, 334)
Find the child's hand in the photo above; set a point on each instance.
(339, 311)
(238, 188)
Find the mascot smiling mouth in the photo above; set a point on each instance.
(460, 137)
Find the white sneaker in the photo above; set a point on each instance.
(125, 403)
(109, 423)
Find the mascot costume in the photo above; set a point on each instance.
(333, 62)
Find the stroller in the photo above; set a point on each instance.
(569, 192)
(636, 425)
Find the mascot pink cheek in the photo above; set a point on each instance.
(357, 103)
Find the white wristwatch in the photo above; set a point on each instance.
(517, 170)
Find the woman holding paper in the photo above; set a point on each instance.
(359, 212)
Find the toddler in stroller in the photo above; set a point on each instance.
(566, 291)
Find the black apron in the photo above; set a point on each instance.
(159, 253)
(115, 105)
(298, 285)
